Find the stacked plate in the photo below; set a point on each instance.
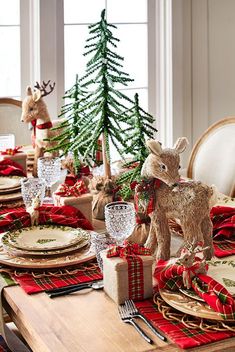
(45, 240)
(10, 189)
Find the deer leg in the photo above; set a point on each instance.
(163, 236)
(192, 232)
(151, 241)
(207, 229)
(38, 152)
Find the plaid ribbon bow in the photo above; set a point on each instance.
(65, 216)
(10, 151)
(170, 276)
(75, 190)
(131, 252)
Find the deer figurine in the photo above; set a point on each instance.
(33, 209)
(189, 201)
(193, 264)
(34, 110)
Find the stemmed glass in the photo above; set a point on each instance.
(49, 170)
(31, 188)
(119, 220)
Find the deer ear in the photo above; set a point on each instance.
(154, 146)
(37, 95)
(28, 90)
(181, 144)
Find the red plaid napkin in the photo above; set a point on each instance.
(169, 276)
(223, 219)
(177, 331)
(65, 215)
(32, 283)
(11, 168)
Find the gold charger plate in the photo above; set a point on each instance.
(81, 256)
(85, 240)
(43, 237)
(189, 305)
(9, 182)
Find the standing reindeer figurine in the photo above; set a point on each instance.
(189, 202)
(34, 110)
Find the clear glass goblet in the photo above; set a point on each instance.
(49, 169)
(99, 243)
(32, 188)
(119, 220)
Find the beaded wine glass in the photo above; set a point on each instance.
(31, 188)
(49, 170)
(119, 220)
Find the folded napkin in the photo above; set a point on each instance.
(170, 276)
(223, 219)
(65, 215)
(11, 168)
(178, 332)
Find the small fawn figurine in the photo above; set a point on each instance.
(34, 110)
(192, 264)
(33, 209)
(189, 201)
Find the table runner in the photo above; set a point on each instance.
(176, 331)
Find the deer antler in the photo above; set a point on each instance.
(42, 87)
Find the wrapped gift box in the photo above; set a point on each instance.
(83, 203)
(19, 157)
(115, 272)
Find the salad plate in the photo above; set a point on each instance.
(9, 182)
(85, 240)
(43, 237)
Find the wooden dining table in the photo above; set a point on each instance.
(85, 321)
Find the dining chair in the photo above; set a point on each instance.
(212, 159)
(10, 113)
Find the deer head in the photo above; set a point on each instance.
(33, 106)
(164, 164)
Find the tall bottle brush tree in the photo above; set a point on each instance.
(75, 117)
(141, 129)
(104, 107)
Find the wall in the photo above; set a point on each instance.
(203, 64)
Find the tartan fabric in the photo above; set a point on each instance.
(10, 151)
(75, 190)
(131, 252)
(170, 276)
(176, 331)
(223, 219)
(9, 167)
(145, 195)
(65, 215)
(32, 283)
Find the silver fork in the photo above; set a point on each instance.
(134, 313)
(126, 318)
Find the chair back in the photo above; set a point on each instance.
(212, 160)
(10, 113)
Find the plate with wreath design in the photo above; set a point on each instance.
(43, 237)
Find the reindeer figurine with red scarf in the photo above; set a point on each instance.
(34, 110)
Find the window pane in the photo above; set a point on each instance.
(83, 11)
(10, 12)
(122, 11)
(10, 63)
(134, 52)
(75, 63)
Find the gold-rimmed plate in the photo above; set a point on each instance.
(85, 240)
(189, 305)
(9, 182)
(43, 237)
(10, 190)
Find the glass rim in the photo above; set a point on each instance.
(26, 180)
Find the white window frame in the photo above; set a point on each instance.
(44, 59)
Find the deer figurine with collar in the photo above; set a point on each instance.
(34, 110)
(188, 201)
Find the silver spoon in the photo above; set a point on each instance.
(94, 285)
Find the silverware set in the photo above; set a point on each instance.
(128, 312)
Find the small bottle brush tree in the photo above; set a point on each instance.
(141, 129)
(104, 109)
(75, 118)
